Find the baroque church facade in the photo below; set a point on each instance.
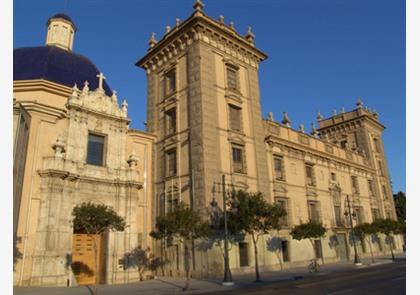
(73, 144)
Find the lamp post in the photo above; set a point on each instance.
(351, 214)
(227, 278)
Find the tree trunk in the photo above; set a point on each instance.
(257, 271)
(188, 270)
(390, 247)
(371, 252)
(95, 254)
(313, 247)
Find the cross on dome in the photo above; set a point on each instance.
(101, 80)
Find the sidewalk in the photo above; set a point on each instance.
(171, 285)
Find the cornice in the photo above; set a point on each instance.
(41, 85)
(199, 27)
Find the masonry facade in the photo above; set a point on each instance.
(203, 121)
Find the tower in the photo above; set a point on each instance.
(61, 31)
(204, 108)
(360, 130)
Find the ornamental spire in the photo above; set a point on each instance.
(319, 117)
(152, 40)
(198, 5)
(359, 103)
(286, 121)
(250, 36)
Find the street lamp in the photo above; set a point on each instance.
(351, 214)
(227, 278)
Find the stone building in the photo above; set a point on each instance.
(71, 146)
(72, 143)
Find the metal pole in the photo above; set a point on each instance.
(356, 256)
(227, 280)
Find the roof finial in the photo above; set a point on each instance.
(85, 89)
(114, 98)
(271, 116)
(177, 22)
(286, 121)
(232, 25)
(250, 36)
(319, 117)
(198, 5)
(152, 40)
(334, 112)
(101, 78)
(167, 29)
(359, 103)
(75, 90)
(342, 110)
(314, 132)
(302, 128)
(222, 19)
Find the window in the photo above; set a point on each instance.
(95, 151)
(170, 121)
(282, 204)
(359, 214)
(381, 168)
(333, 176)
(278, 167)
(339, 222)
(384, 192)
(343, 144)
(370, 187)
(243, 254)
(377, 145)
(309, 172)
(171, 163)
(354, 185)
(238, 159)
(318, 249)
(375, 214)
(285, 251)
(170, 80)
(232, 78)
(235, 118)
(314, 215)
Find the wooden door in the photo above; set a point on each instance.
(83, 258)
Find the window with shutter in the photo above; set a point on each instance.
(310, 178)
(232, 79)
(95, 150)
(170, 78)
(171, 163)
(235, 118)
(278, 167)
(238, 159)
(355, 185)
(170, 121)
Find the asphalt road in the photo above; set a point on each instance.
(382, 279)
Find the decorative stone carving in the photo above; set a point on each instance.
(132, 160)
(59, 146)
(97, 100)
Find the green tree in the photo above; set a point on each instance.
(388, 227)
(362, 231)
(142, 260)
(182, 225)
(399, 200)
(96, 219)
(250, 213)
(310, 230)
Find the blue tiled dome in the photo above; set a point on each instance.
(56, 65)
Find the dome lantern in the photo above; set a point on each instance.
(60, 31)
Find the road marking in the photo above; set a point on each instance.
(340, 292)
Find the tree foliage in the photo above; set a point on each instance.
(92, 218)
(399, 200)
(309, 230)
(182, 225)
(250, 213)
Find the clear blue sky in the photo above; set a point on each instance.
(322, 53)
